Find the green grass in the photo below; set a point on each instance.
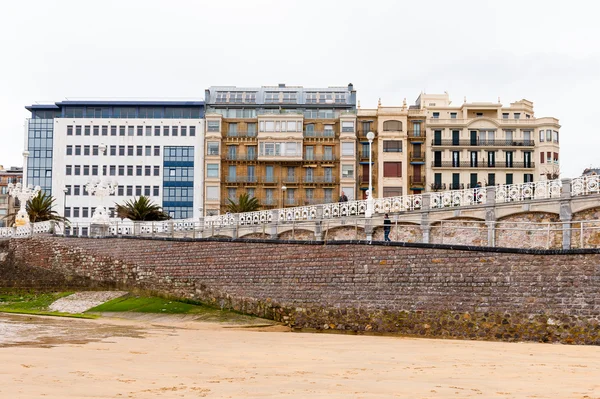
(34, 303)
(141, 304)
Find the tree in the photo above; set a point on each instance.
(245, 203)
(39, 209)
(141, 209)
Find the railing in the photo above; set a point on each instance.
(319, 157)
(26, 231)
(585, 185)
(457, 121)
(417, 181)
(318, 179)
(417, 156)
(241, 179)
(467, 197)
(242, 134)
(483, 143)
(482, 164)
(326, 133)
(526, 191)
(269, 180)
(241, 157)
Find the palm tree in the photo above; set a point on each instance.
(245, 203)
(39, 209)
(141, 209)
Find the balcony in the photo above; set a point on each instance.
(483, 143)
(416, 136)
(319, 157)
(364, 155)
(269, 180)
(290, 180)
(241, 157)
(417, 181)
(457, 121)
(318, 180)
(241, 134)
(438, 186)
(417, 157)
(483, 164)
(321, 134)
(241, 179)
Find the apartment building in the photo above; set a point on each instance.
(8, 204)
(398, 150)
(487, 143)
(151, 148)
(284, 145)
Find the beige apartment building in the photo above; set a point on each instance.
(284, 145)
(487, 143)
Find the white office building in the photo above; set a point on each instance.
(150, 148)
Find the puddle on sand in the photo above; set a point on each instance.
(45, 332)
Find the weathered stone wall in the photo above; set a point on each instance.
(410, 289)
(522, 231)
(402, 232)
(591, 229)
(460, 231)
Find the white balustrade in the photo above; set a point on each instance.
(342, 209)
(258, 217)
(6, 232)
(298, 213)
(585, 185)
(398, 204)
(527, 191)
(466, 197)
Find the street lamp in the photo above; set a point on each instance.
(283, 188)
(65, 191)
(101, 189)
(369, 211)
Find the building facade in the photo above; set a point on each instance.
(150, 148)
(8, 204)
(487, 143)
(284, 145)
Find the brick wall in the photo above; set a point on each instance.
(414, 289)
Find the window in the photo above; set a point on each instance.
(69, 130)
(69, 150)
(452, 115)
(148, 130)
(212, 148)
(77, 170)
(213, 126)
(156, 150)
(271, 97)
(96, 130)
(155, 191)
(289, 97)
(122, 150)
(85, 212)
(517, 115)
(555, 136)
(138, 190)
(105, 130)
(94, 170)
(113, 170)
(192, 130)
(86, 150)
(147, 170)
(77, 130)
(139, 151)
(147, 190)
(392, 169)
(129, 170)
(174, 130)
(505, 115)
(76, 212)
(347, 126)
(86, 170)
(138, 170)
(347, 148)
(549, 135)
(392, 146)
(120, 191)
(86, 131)
(392, 126)
(542, 135)
(156, 170)
(542, 158)
(77, 150)
(435, 115)
(113, 130)
(148, 150)
(165, 130)
(347, 171)
(212, 170)
(140, 130)
(95, 150)
(130, 130)
(392, 192)
(555, 157)
(130, 190)
(77, 190)
(212, 192)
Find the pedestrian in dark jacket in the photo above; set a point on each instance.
(343, 198)
(387, 226)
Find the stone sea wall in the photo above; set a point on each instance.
(415, 289)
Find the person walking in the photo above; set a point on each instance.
(387, 226)
(343, 198)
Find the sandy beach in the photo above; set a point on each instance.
(164, 358)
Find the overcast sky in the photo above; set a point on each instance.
(545, 51)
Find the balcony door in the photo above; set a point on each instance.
(455, 137)
(473, 137)
(437, 137)
(437, 158)
(269, 174)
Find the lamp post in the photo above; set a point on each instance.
(23, 193)
(101, 189)
(65, 191)
(369, 211)
(283, 188)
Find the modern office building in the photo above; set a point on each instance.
(8, 204)
(284, 145)
(487, 143)
(151, 148)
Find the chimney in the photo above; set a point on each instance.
(350, 87)
(281, 85)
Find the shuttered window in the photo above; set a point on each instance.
(392, 169)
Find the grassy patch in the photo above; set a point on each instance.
(34, 303)
(141, 304)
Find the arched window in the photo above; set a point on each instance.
(392, 126)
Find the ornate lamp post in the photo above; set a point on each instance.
(23, 194)
(101, 189)
(283, 188)
(369, 211)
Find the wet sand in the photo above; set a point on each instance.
(165, 358)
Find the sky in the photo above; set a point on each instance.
(545, 51)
